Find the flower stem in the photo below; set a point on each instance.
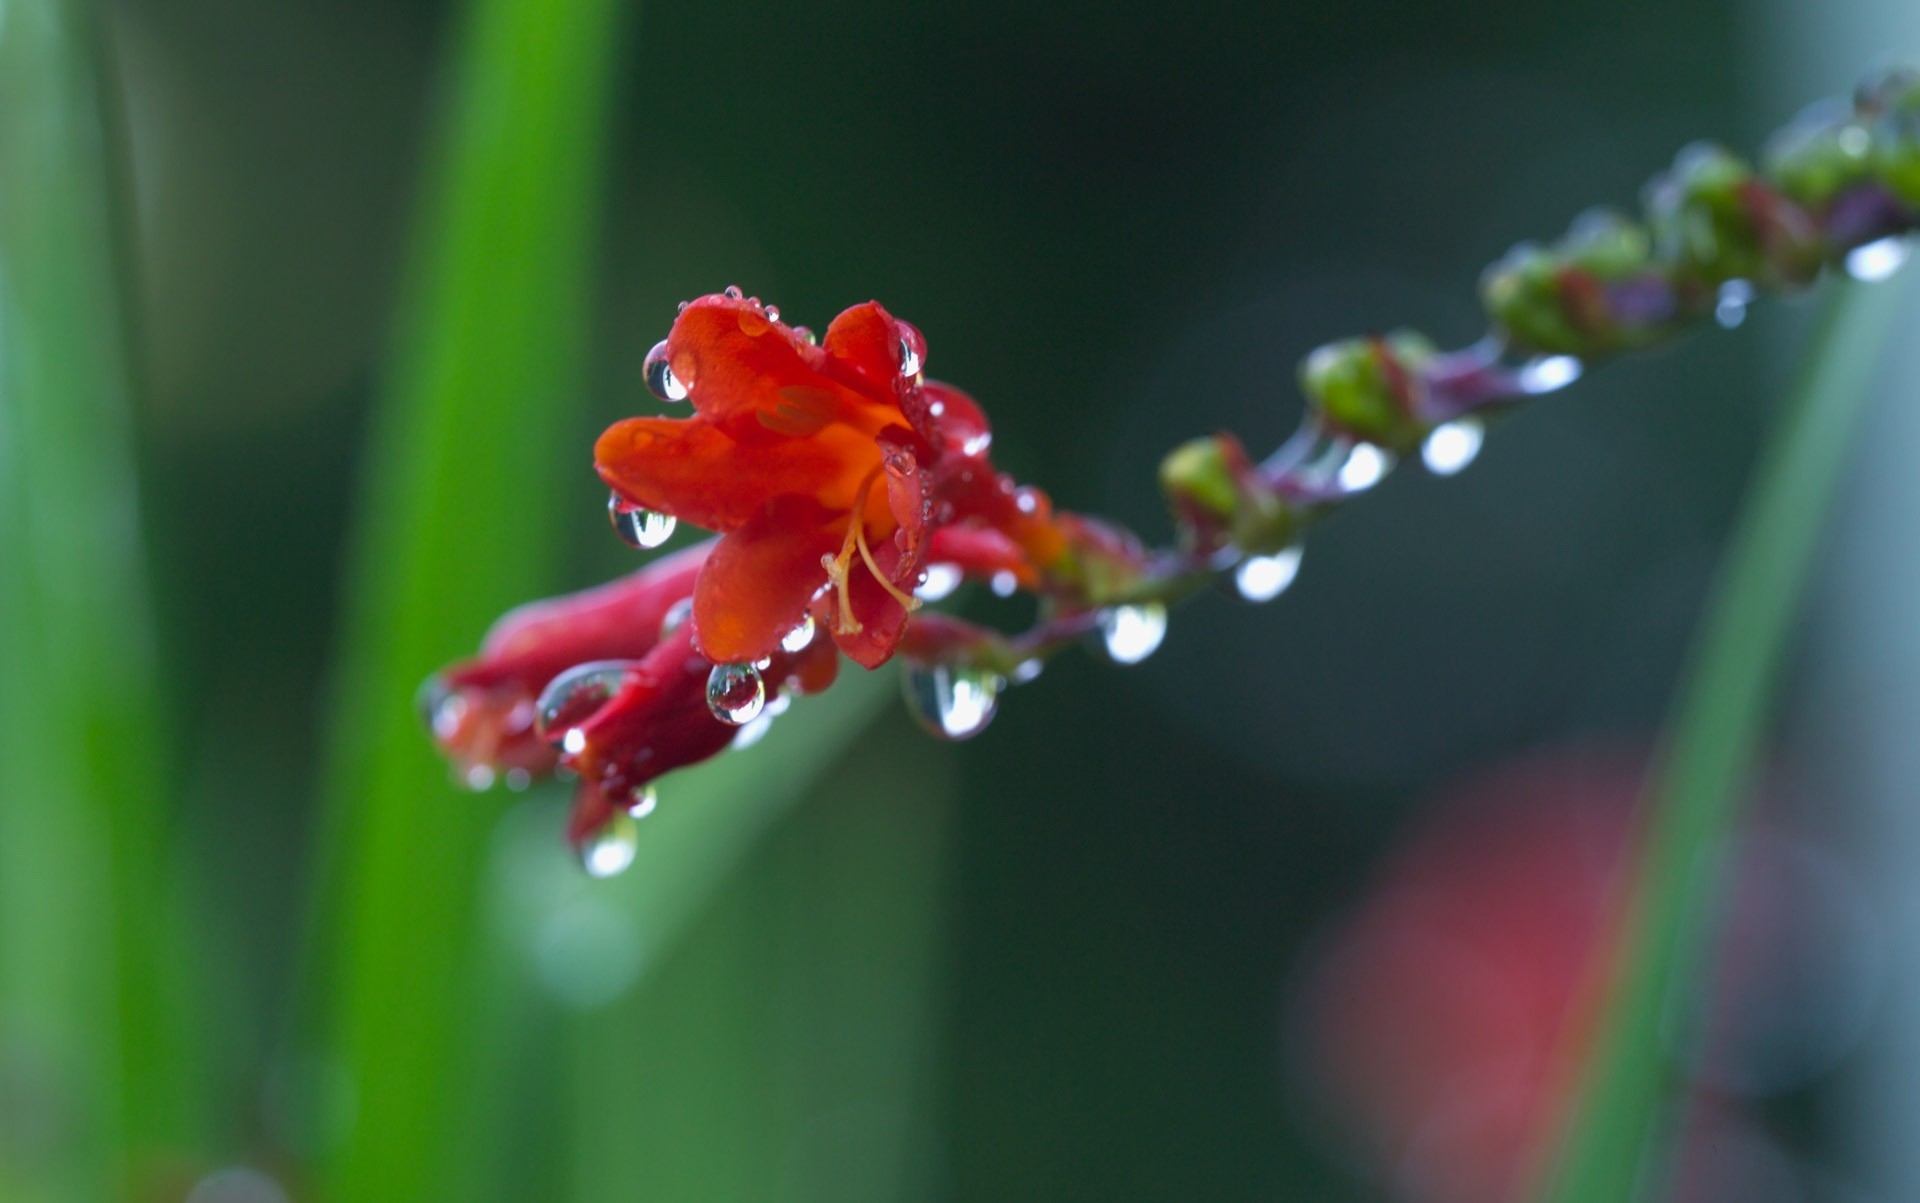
(1609, 1153)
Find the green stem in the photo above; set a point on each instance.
(454, 527)
(92, 968)
(1717, 724)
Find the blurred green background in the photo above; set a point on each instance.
(1051, 964)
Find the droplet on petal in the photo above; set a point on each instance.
(736, 693)
(913, 350)
(609, 851)
(1263, 578)
(641, 801)
(1451, 446)
(637, 526)
(799, 637)
(573, 697)
(1132, 633)
(661, 381)
(950, 701)
(940, 581)
(1003, 583)
(441, 707)
(733, 292)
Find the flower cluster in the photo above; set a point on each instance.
(845, 488)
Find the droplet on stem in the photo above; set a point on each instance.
(1132, 633)
(1878, 259)
(1263, 578)
(951, 701)
(1451, 446)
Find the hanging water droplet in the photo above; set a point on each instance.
(442, 708)
(572, 698)
(1263, 578)
(1366, 465)
(1879, 259)
(799, 637)
(661, 381)
(950, 701)
(1132, 633)
(736, 693)
(1451, 446)
(641, 801)
(1003, 583)
(734, 293)
(609, 851)
(1730, 306)
(1548, 374)
(909, 359)
(478, 777)
(941, 580)
(639, 527)
(676, 614)
(1027, 670)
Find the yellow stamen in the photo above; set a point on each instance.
(838, 566)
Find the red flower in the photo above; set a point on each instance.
(826, 468)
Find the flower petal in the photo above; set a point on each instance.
(700, 474)
(756, 585)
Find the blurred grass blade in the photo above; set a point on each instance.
(561, 939)
(91, 1004)
(790, 1051)
(1610, 1152)
(456, 525)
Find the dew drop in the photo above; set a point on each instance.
(773, 313)
(1547, 374)
(733, 292)
(1730, 307)
(1366, 465)
(518, 779)
(638, 527)
(676, 614)
(1263, 578)
(1451, 446)
(1855, 141)
(1027, 670)
(478, 777)
(913, 350)
(799, 637)
(442, 708)
(1132, 633)
(572, 698)
(736, 693)
(950, 701)
(661, 381)
(1003, 583)
(977, 444)
(641, 801)
(1878, 259)
(940, 582)
(609, 851)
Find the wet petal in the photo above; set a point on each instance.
(702, 475)
(758, 582)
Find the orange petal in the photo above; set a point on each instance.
(743, 371)
(863, 350)
(695, 471)
(756, 585)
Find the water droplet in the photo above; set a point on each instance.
(572, 697)
(806, 332)
(733, 292)
(1730, 308)
(1548, 374)
(1027, 670)
(518, 779)
(609, 851)
(1003, 583)
(442, 708)
(736, 693)
(799, 637)
(1365, 467)
(676, 614)
(638, 527)
(641, 801)
(913, 350)
(773, 313)
(1879, 259)
(661, 381)
(941, 580)
(1132, 633)
(1263, 578)
(479, 778)
(950, 701)
(1855, 141)
(977, 444)
(1451, 446)
(1026, 501)
(752, 733)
